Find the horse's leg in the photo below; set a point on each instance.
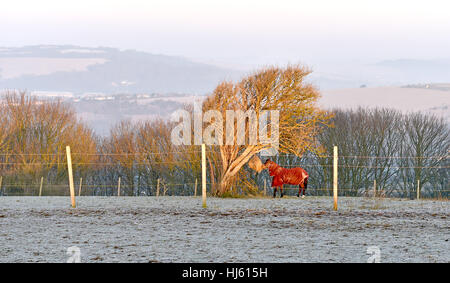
(299, 190)
(281, 190)
(305, 185)
(274, 192)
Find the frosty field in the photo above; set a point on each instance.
(177, 229)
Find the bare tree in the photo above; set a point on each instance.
(37, 132)
(425, 147)
(272, 88)
(122, 148)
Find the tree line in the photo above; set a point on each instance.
(384, 145)
(399, 151)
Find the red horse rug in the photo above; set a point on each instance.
(292, 176)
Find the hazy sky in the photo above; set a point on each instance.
(238, 32)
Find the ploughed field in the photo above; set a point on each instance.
(178, 229)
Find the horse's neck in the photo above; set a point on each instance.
(275, 169)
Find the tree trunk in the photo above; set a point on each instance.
(230, 171)
(225, 183)
(212, 178)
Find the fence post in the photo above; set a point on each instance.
(335, 176)
(374, 188)
(79, 189)
(1, 180)
(69, 168)
(195, 188)
(118, 187)
(157, 188)
(40, 187)
(418, 189)
(265, 191)
(203, 175)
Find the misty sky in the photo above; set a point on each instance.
(238, 33)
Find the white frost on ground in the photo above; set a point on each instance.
(177, 229)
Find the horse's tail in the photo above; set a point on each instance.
(305, 183)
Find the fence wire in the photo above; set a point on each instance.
(122, 161)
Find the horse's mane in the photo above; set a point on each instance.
(273, 167)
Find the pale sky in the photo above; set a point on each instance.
(238, 31)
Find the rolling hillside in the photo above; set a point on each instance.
(105, 70)
(107, 85)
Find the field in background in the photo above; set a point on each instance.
(177, 229)
(434, 99)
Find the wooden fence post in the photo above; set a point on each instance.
(118, 187)
(195, 188)
(374, 188)
(203, 175)
(40, 187)
(1, 180)
(418, 189)
(79, 189)
(69, 168)
(335, 176)
(157, 188)
(265, 190)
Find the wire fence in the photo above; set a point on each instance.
(191, 189)
(12, 163)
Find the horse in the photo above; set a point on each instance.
(293, 176)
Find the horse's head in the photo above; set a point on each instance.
(272, 166)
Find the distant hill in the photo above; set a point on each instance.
(106, 70)
(428, 98)
(382, 73)
(418, 71)
(101, 112)
(106, 85)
